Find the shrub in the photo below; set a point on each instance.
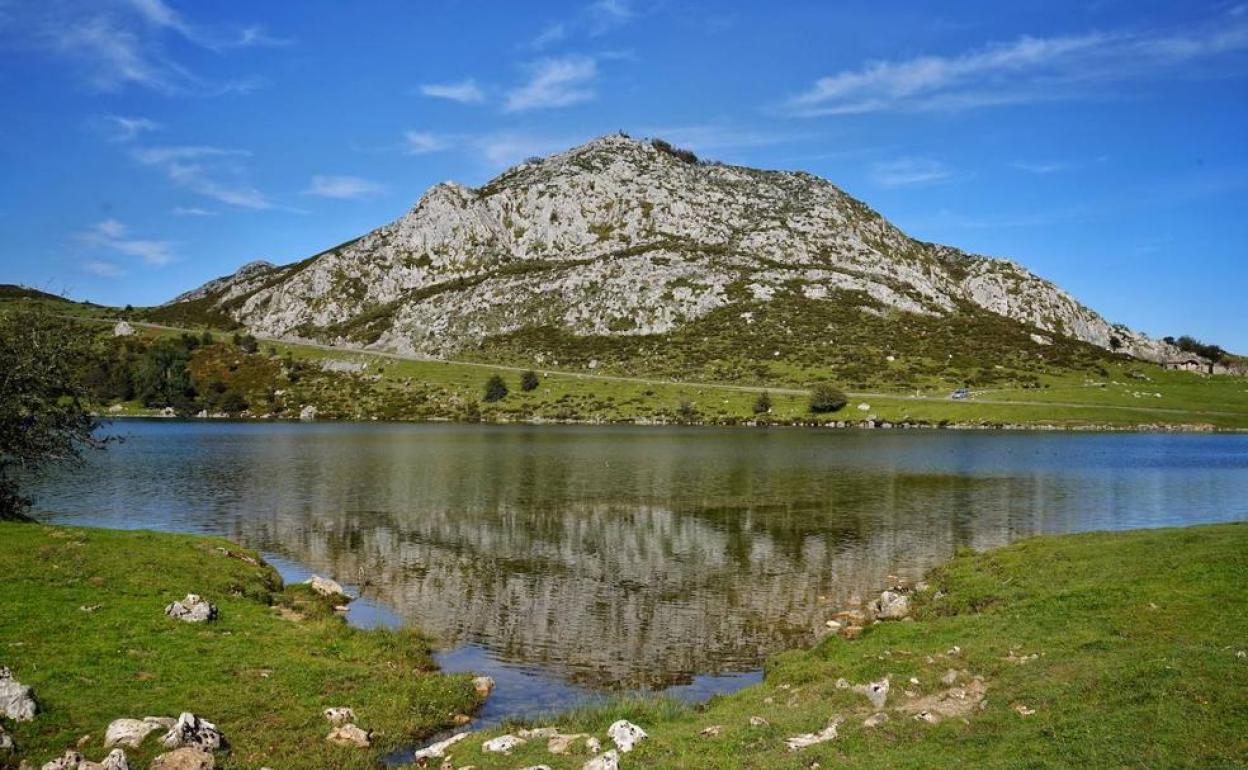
(495, 389)
(762, 404)
(686, 409)
(676, 152)
(529, 381)
(233, 402)
(825, 398)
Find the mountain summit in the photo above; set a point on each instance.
(618, 244)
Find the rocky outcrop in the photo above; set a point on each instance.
(619, 237)
(187, 758)
(192, 609)
(131, 733)
(625, 735)
(350, 735)
(17, 701)
(325, 586)
(191, 731)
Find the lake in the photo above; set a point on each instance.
(590, 558)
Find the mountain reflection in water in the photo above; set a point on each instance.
(634, 557)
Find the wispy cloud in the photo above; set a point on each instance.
(557, 82)
(123, 129)
(1040, 167)
(464, 92)
(111, 234)
(103, 269)
(1026, 70)
(343, 187)
(192, 211)
(550, 34)
(593, 20)
(909, 172)
(125, 43)
(421, 142)
(209, 171)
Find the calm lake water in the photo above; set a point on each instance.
(630, 557)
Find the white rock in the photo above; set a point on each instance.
(128, 732)
(503, 744)
(593, 745)
(625, 735)
(6, 742)
(325, 586)
(876, 692)
(892, 605)
(805, 740)
(17, 701)
(123, 329)
(350, 735)
(192, 731)
(192, 609)
(607, 761)
(483, 685)
(116, 760)
(339, 715)
(308, 413)
(438, 750)
(875, 720)
(68, 761)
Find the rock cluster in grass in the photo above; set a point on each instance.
(345, 732)
(17, 701)
(192, 609)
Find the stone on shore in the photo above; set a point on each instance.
(325, 586)
(192, 609)
(503, 744)
(68, 761)
(625, 735)
(350, 735)
(438, 750)
(562, 744)
(892, 605)
(484, 685)
(185, 758)
(798, 742)
(17, 701)
(194, 732)
(308, 413)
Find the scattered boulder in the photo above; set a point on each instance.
(116, 760)
(503, 744)
(593, 745)
(608, 761)
(350, 735)
(339, 715)
(192, 609)
(538, 732)
(123, 329)
(185, 758)
(461, 719)
(757, 721)
(307, 413)
(712, 731)
(484, 685)
(69, 761)
(17, 701)
(798, 742)
(438, 750)
(325, 586)
(6, 742)
(950, 678)
(1022, 710)
(953, 702)
(562, 744)
(130, 732)
(892, 605)
(876, 692)
(194, 732)
(875, 720)
(625, 735)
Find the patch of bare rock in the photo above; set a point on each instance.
(192, 609)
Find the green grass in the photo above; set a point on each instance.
(1136, 633)
(262, 678)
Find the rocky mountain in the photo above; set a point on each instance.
(622, 239)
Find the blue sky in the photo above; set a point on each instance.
(148, 145)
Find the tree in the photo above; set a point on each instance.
(495, 389)
(825, 398)
(529, 381)
(162, 377)
(762, 404)
(43, 397)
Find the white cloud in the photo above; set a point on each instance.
(103, 269)
(555, 83)
(125, 128)
(464, 92)
(605, 15)
(209, 171)
(551, 34)
(908, 172)
(342, 187)
(192, 211)
(1026, 70)
(421, 142)
(111, 234)
(1040, 167)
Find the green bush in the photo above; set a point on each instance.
(824, 398)
(495, 389)
(529, 381)
(762, 404)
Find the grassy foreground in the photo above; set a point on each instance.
(262, 672)
(1137, 638)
